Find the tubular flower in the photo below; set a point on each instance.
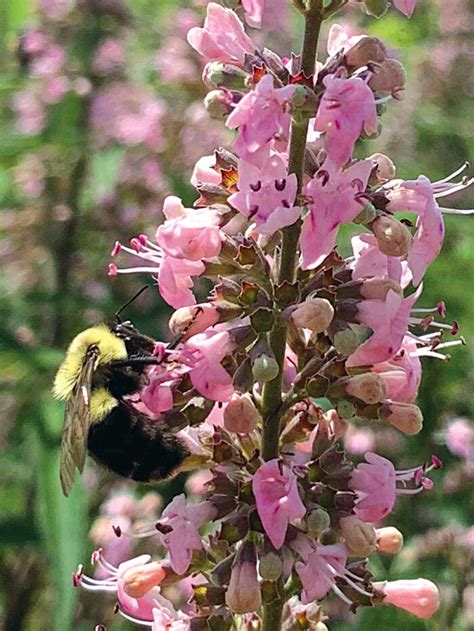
(369, 262)
(203, 354)
(278, 501)
(180, 523)
(402, 373)
(222, 38)
(174, 276)
(347, 109)
(389, 320)
(419, 596)
(377, 483)
(266, 195)
(334, 201)
(138, 609)
(191, 234)
(321, 565)
(261, 116)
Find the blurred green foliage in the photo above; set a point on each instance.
(43, 535)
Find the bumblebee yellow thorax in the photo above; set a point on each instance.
(111, 348)
(102, 403)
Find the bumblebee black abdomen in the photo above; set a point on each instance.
(135, 446)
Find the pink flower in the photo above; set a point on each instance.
(203, 354)
(115, 580)
(261, 115)
(405, 6)
(166, 618)
(184, 520)
(334, 202)
(175, 280)
(460, 438)
(253, 12)
(419, 596)
(402, 373)
(204, 172)
(341, 39)
(109, 57)
(157, 395)
(319, 570)
(222, 38)
(388, 320)
(347, 109)
(278, 501)
(375, 483)
(370, 262)
(266, 195)
(189, 233)
(418, 196)
(358, 440)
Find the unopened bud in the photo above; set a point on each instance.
(378, 288)
(188, 321)
(419, 596)
(385, 169)
(405, 417)
(360, 537)
(317, 521)
(367, 214)
(376, 7)
(139, 580)
(270, 567)
(218, 103)
(315, 314)
(393, 237)
(243, 594)
(219, 75)
(367, 49)
(240, 415)
(389, 540)
(265, 368)
(366, 388)
(390, 76)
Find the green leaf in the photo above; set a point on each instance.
(62, 521)
(16, 13)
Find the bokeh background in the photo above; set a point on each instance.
(101, 116)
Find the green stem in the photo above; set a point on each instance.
(272, 392)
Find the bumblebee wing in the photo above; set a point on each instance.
(76, 423)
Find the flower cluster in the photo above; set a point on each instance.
(293, 344)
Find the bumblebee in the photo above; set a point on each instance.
(103, 365)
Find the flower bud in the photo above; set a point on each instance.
(315, 314)
(265, 368)
(270, 567)
(384, 169)
(389, 540)
(390, 76)
(243, 594)
(393, 238)
(218, 103)
(376, 7)
(360, 537)
(139, 580)
(367, 49)
(378, 288)
(405, 417)
(188, 321)
(240, 415)
(419, 597)
(217, 75)
(317, 521)
(366, 388)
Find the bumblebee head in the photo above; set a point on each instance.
(111, 348)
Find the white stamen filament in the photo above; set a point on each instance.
(448, 178)
(132, 270)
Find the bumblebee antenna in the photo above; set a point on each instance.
(129, 302)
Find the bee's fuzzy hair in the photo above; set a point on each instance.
(111, 348)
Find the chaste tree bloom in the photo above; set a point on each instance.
(283, 317)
